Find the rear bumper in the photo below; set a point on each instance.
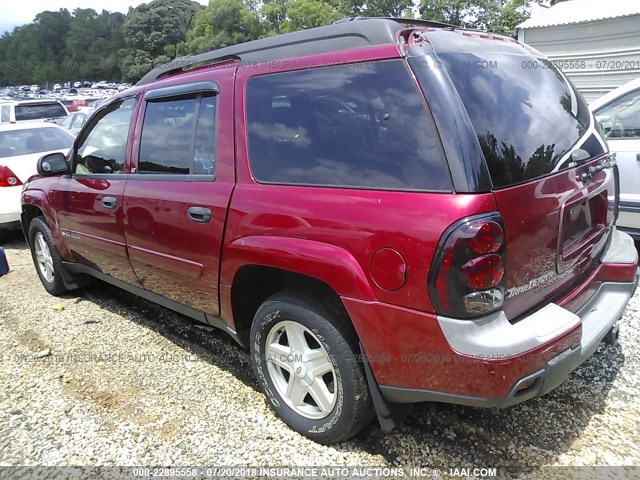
(490, 362)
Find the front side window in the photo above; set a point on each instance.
(621, 118)
(357, 125)
(178, 136)
(78, 120)
(103, 148)
(66, 123)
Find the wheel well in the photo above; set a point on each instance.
(29, 212)
(253, 284)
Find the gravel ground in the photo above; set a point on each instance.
(165, 392)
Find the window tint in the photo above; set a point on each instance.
(525, 114)
(38, 111)
(33, 140)
(4, 114)
(359, 125)
(621, 118)
(104, 146)
(178, 136)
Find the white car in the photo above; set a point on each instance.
(57, 87)
(77, 85)
(32, 111)
(21, 145)
(618, 112)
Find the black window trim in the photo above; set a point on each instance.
(186, 89)
(180, 177)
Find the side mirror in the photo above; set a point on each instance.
(53, 164)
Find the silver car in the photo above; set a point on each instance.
(618, 112)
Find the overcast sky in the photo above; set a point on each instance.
(14, 13)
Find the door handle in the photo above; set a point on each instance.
(199, 214)
(110, 202)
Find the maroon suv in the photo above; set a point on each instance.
(383, 212)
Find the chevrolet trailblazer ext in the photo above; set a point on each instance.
(382, 211)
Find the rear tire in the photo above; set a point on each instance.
(46, 257)
(306, 360)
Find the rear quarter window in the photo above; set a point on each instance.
(526, 115)
(356, 125)
(39, 111)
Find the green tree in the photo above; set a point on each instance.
(223, 23)
(376, 8)
(499, 16)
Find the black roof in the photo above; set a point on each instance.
(344, 34)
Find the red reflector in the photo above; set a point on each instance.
(8, 178)
(483, 272)
(488, 238)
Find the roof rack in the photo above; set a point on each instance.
(352, 32)
(349, 33)
(402, 21)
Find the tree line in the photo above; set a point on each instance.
(88, 45)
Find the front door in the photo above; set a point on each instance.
(176, 202)
(91, 215)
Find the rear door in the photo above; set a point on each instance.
(176, 202)
(529, 121)
(620, 121)
(90, 200)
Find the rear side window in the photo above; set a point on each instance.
(357, 125)
(33, 140)
(39, 111)
(178, 136)
(4, 114)
(524, 112)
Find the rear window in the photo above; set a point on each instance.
(33, 140)
(357, 125)
(525, 114)
(39, 111)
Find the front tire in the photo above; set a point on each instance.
(46, 257)
(305, 358)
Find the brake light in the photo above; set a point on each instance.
(8, 178)
(467, 276)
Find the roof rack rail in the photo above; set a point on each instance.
(402, 21)
(353, 32)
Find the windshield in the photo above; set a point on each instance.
(525, 113)
(37, 111)
(33, 140)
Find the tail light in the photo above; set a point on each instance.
(8, 178)
(468, 272)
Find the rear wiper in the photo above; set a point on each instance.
(609, 163)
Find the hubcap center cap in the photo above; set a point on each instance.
(299, 370)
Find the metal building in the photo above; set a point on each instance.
(596, 43)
